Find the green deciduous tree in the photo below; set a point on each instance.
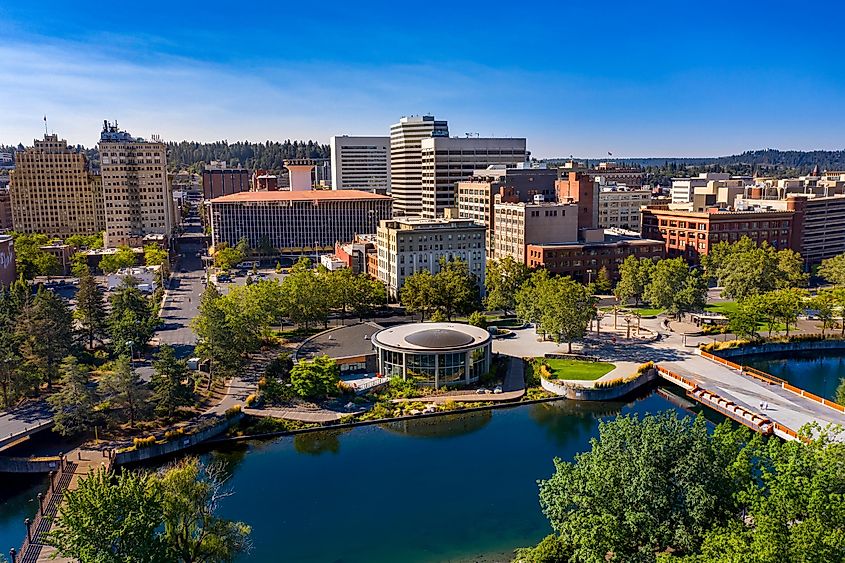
(315, 379)
(149, 518)
(190, 496)
(603, 282)
(825, 306)
(647, 486)
(171, 387)
(214, 342)
(90, 310)
(744, 269)
(566, 308)
(748, 315)
(124, 257)
(833, 269)
(418, 294)
(227, 257)
(30, 260)
(503, 280)
(73, 405)
(154, 255)
(456, 288)
(634, 276)
(111, 518)
(675, 287)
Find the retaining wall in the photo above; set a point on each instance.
(598, 394)
(29, 465)
(173, 446)
(781, 347)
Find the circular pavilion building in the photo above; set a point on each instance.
(433, 354)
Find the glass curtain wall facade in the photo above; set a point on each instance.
(436, 369)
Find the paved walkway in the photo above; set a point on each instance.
(784, 407)
(302, 414)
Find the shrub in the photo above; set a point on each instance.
(143, 442)
(175, 433)
(345, 389)
(645, 367)
(233, 411)
(250, 399)
(478, 319)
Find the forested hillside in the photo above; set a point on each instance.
(191, 154)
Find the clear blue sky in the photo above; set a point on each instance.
(632, 78)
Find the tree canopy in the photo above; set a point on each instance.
(661, 488)
(743, 268)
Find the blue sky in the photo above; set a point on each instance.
(633, 78)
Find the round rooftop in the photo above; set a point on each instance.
(432, 336)
(439, 338)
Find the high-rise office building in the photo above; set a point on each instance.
(219, 180)
(446, 161)
(360, 163)
(5, 210)
(406, 160)
(137, 195)
(52, 191)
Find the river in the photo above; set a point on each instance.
(458, 488)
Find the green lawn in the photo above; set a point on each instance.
(722, 307)
(727, 308)
(578, 369)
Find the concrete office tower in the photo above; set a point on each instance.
(361, 163)
(52, 192)
(300, 172)
(446, 161)
(406, 160)
(5, 210)
(138, 202)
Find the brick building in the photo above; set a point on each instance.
(601, 248)
(692, 234)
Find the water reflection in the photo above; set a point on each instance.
(438, 427)
(317, 443)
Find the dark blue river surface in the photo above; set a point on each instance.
(818, 374)
(458, 488)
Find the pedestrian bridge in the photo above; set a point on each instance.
(761, 401)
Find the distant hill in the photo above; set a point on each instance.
(268, 155)
(761, 160)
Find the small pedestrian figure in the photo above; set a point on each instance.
(766, 406)
(761, 405)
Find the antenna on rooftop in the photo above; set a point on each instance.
(45, 125)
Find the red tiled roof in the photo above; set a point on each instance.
(313, 195)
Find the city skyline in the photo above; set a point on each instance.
(662, 80)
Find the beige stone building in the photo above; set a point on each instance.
(408, 245)
(619, 206)
(516, 225)
(138, 202)
(52, 191)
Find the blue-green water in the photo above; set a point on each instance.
(457, 488)
(460, 488)
(17, 502)
(818, 374)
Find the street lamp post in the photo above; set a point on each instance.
(131, 345)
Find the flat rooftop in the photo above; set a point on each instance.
(427, 337)
(345, 342)
(314, 195)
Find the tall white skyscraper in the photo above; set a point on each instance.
(446, 161)
(406, 160)
(361, 163)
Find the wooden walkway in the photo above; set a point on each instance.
(74, 466)
(762, 402)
